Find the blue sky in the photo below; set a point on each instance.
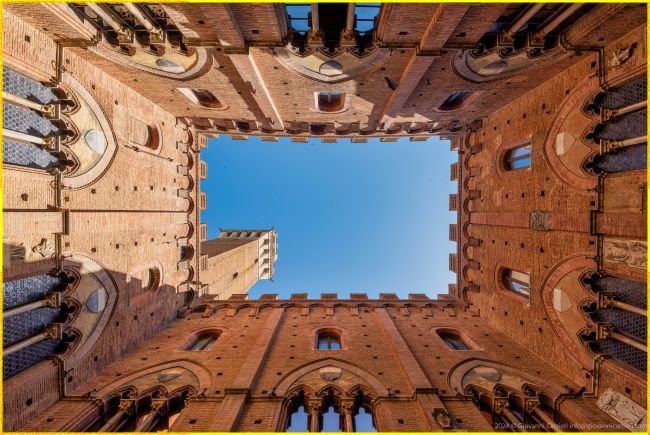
(351, 218)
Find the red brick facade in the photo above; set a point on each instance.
(542, 327)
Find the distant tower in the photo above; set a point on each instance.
(237, 259)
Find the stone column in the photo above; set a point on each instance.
(533, 407)
(158, 409)
(502, 407)
(52, 332)
(607, 330)
(124, 410)
(312, 407)
(51, 300)
(347, 410)
(608, 301)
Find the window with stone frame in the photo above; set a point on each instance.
(518, 158)
(204, 342)
(517, 282)
(328, 340)
(453, 340)
(455, 101)
(331, 101)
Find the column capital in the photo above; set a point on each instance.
(531, 403)
(346, 406)
(501, 405)
(52, 299)
(125, 406)
(53, 332)
(158, 407)
(605, 330)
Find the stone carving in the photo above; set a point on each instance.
(624, 410)
(622, 55)
(540, 220)
(632, 253)
(330, 373)
(442, 417)
(45, 248)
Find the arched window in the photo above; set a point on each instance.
(453, 340)
(363, 421)
(517, 158)
(204, 341)
(455, 101)
(518, 282)
(328, 340)
(331, 420)
(298, 421)
(202, 97)
(330, 101)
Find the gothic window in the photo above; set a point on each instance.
(518, 282)
(328, 341)
(365, 17)
(202, 97)
(299, 16)
(363, 421)
(453, 340)
(204, 342)
(517, 158)
(331, 420)
(331, 101)
(298, 421)
(454, 101)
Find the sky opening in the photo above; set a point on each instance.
(351, 217)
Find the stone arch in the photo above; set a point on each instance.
(368, 306)
(77, 261)
(559, 271)
(458, 372)
(495, 65)
(201, 381)
(101, 166)
(282, 386)
(571, 105)
(195, 334)
(145, 135)
(156, 274)
(349, 66)
(201, 65)
(470, 343)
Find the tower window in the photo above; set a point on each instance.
(204, 342)
(518, 282)
(517, 158)
(330, 101)
(455, 101)
(328, 341)
(453, 340)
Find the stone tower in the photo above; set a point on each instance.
(236, 260)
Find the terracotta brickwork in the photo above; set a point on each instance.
(121, 315)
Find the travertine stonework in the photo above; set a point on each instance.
(119, 314)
